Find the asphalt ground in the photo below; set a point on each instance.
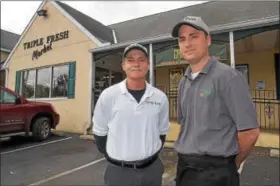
(21, 165)
(69, 160)
(260, 169)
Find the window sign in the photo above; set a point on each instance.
(260, 85)
(171, 55)
(244, 71)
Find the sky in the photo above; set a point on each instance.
(15, 15)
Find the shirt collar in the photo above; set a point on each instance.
(205, 69)
(149, 91)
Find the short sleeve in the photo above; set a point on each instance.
(100, 116)
(164, 123)
(239, 103)
(179, 95)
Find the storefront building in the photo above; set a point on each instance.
(68, 59)
(8, 41)
(51, 62)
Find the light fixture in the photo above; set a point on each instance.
(42, 12)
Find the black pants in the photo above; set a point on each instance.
(206, 171)
(148, 176)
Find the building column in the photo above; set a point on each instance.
(231, 44)
(151, 59)
(110, 77)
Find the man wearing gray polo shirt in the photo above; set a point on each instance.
(130, 122)
(219, 126)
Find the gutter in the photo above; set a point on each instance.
(142, 41)
(5, 50)
(242, 25)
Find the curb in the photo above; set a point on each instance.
(169, 145)
(87, 137)
(274, 153)
(58, 133)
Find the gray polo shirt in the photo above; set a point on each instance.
(212, 108)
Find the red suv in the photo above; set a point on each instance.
(20, 116)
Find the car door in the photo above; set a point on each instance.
(12, 114)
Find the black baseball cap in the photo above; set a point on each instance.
(135, 46)
(193, 21)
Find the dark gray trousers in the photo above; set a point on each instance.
(148, 176)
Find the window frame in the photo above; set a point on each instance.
(51, 81)
(52, 70)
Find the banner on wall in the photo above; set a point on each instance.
(171, 56)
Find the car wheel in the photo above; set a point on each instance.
(41, 129)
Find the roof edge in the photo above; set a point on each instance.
(23, 33)
(76, 23)
(254, 23)
(214, 30)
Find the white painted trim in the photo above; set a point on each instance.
(114, 35)
(77, 24)
(5, 50)
(23, 33)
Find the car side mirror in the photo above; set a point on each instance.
(18, 100)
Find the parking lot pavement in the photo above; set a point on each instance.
(58, 161)
(71, 161)
(23, 165)
(91, 175)
(260, 169)
(18, 143)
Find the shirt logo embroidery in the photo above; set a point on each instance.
(153, 102)
(205, 92)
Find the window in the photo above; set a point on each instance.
(60, 81)
(43, 84)
(47, 82)
(28, 83)
(7, 98)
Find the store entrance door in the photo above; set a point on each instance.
(104, 78)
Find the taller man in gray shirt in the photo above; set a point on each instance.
(219, 126)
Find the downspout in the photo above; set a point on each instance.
(6, 77)
(89, 124)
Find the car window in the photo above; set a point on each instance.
(7, 98)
